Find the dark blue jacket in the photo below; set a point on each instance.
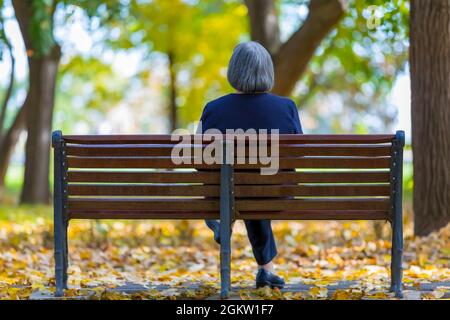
(252, 111)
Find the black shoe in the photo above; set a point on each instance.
(214, 225)
(265, 278)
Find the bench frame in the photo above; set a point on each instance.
(227, 214)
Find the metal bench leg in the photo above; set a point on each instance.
(396, 259)
(225, 258)
(397, 213)
(66, 255)
(59, 257)
(226, 211)
(60, 226)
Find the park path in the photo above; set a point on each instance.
(411, 292)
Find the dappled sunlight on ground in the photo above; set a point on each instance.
(108, 254)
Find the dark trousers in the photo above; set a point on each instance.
(261, 238)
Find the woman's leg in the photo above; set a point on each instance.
(264, 249)
(214, 225)
(262, 240)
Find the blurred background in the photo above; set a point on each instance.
(150, 66)
(135, 66)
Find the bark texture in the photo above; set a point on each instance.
(9, 136)
(43, 70)
(173, 108)
(9, 88)
(8, 141)
(292, 57)
(430, 107)
(264, 26)
(39, 116)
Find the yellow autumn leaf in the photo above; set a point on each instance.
(148, 254)
(341, 295)
(318, 292)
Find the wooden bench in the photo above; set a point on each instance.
(323, 177)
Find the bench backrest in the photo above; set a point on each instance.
(320, 177)
(324, 177)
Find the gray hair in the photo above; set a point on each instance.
(251, 69)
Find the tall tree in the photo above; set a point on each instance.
(8, 135)
(10, 85)
(35, 20)
(185, 35)
(168, 27)
(355, 64)
(430, 107)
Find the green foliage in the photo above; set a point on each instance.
(357, 65)
(219, 32)
(96, 81)
(42, 19)
(199, 37)
(41, 26)
(106, 10)
(86, 86)
(3, 39)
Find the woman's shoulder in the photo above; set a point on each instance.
(219, 101)
(216, 104)
(281, 99)
(266, 98)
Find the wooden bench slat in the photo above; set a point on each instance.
(143, 204)
(214, 190)
(331, 150)
(212, 205)
(284, 163)
(145, 177)
(133, 150)
(312, 191)
(195, 215)
(317, 215)
(213, 177)
(325, 163)
(312, 177)
(287, 138)
(312, 204)
(138, 214)
(143, 190)
(133, 162)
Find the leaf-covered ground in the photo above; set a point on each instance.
(106, 255)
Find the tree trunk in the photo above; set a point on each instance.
(430, 107)
(9, 137)
(292, 57)
(295, 55)
(39, 115)
(173, 110)
(9, 141)
(43, 70)
(264, 26)
(9, 90)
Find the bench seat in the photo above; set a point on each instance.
(320, 177)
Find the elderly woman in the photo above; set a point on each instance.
(251, 74)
